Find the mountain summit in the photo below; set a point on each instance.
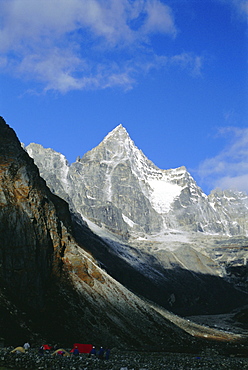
(115, 185)
(119, 133)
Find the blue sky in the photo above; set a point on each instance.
(172, 72)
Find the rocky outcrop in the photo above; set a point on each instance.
(232, 206)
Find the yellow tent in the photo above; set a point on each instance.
(61, 350)
(18, 349)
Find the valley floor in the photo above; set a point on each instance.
(207, 360)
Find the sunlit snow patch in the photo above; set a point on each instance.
(128, 221)
(163, 194)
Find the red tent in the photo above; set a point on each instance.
(83, 348)
(46, 347)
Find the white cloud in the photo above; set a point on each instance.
(68, 45)
(159, 18)
(236, 183)
(189, 61)
(240, 7)
(229, 169)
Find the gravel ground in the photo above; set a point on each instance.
(122, 361)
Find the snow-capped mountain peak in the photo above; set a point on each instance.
(160, 187)
(118, 132)
(117, 186)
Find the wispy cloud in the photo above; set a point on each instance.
(85, 44)
(240, 7)
(229, 169)
(191, 62)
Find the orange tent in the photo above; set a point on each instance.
(60, 351)
(18, 350)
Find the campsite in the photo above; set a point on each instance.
(209, 358)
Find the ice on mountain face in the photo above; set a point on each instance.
(166, 240)
(128, 221)
(163, 194)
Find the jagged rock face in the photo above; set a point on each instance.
(232, 206)
(47, 275)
